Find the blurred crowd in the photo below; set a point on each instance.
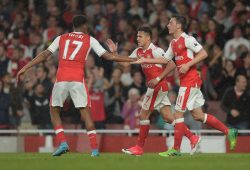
(28, 26)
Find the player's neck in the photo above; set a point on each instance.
(177, 34)
(79, 30)
(145, 47)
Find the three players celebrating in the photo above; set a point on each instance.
(73, 50)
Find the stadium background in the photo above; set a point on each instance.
(29, 26)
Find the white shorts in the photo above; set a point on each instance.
(189, 98)
(76, 90)
(155, 99)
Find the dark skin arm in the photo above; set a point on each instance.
(46, 53)
(116, 57)
(113, 49)
(38, 59)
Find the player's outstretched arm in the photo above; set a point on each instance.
(159, 60)
(38, 59)
(113, 49)
(116, 57)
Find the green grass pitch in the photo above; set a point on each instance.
(119, 161)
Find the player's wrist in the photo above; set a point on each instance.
(189, 64)
(158, 79)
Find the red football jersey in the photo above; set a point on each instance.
(183, 49)
(151, 71)
(73, 51)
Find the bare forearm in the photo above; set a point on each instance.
(160, 60)
(170, 67)
(198, 58)
(38, 59)
(116, 57)
(123, 64)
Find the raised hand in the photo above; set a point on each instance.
(111, 45)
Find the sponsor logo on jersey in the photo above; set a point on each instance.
(179, 58)
(147, 65)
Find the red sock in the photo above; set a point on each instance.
(187, 133)
(60, 137)
(92, 139)
(215, 123)
(143, 133)
(179, 131)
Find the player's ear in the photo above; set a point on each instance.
(178, 25)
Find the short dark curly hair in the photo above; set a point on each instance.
(79, 20)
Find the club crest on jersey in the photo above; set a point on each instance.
(179, 46)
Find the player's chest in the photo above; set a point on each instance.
(179, 47)
(145, 54)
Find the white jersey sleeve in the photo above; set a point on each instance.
(54, 45)
(158, 52)
(192, 44)
(96, 46)
(169, 53)
(133, 54)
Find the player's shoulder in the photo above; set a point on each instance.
(154, 47)
(91, 38)
(189, 40)
(157, 51)
(187, 37)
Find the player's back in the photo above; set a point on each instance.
(73, 50)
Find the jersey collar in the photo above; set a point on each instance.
(78, 32)
(182, 35)
(151, 45)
